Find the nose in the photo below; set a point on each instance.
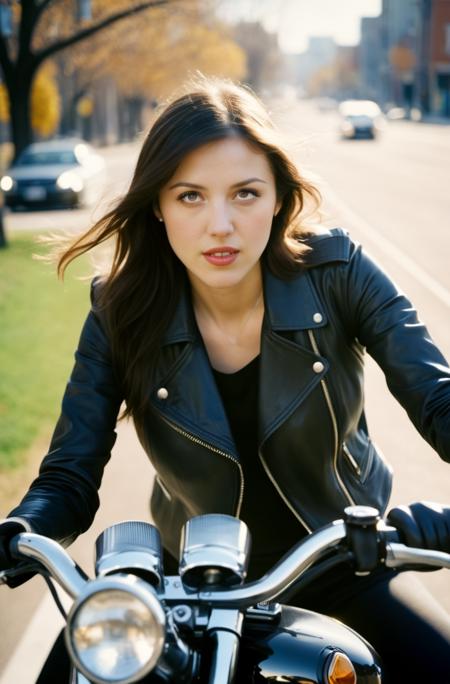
(220, 221)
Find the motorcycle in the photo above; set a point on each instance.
(131, 623)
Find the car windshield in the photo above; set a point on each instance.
(47, 157)
(359, 117)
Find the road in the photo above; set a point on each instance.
(392, 195)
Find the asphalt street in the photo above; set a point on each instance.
(392, 195)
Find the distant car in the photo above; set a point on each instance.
(65, 172)
(359, 119)
(397, 113)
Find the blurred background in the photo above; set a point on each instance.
(361, 89)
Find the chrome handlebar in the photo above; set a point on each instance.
(398, 555)
(54, 558)
(284, 573)
(307, 552)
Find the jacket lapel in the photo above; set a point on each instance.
(287, 371)
(193, 402)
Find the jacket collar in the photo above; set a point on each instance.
(287, 307)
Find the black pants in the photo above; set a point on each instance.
(393, 611)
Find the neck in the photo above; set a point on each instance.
(230, 303)
(232, 315)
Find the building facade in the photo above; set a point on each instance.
(439, 66)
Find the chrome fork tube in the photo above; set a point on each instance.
(224, 628)
(224, 660)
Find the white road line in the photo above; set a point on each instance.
(28, 658)
(388, 248)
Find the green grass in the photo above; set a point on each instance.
(40, 322)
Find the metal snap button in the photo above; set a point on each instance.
(318, 366)
(317, 318)
(162, 393)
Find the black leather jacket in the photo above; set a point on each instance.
(313, 439)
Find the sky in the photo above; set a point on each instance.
(296, 20)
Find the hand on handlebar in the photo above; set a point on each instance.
(424, 525)
(8, 530)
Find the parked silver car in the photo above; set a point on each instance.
(62, 172)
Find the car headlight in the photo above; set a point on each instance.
(348, 128)
(115, 631)
(7, 183)
(69, 180)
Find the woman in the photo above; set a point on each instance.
(236, 334)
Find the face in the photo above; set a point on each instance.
(218, 210)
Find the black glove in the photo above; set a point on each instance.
(8, 530)
(423, 525)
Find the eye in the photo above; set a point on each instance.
(189, 197)
(247, 193)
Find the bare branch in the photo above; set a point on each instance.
(43, 5)
(91, 30)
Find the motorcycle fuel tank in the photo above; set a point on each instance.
(297, 648)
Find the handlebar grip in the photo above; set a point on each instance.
(14, 547)
(390, 534)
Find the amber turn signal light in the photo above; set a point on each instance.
(340, 670)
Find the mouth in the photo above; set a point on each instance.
(221, 256)
(220, 251)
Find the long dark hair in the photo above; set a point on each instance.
(138, 295)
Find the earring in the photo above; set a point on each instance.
(160, 218)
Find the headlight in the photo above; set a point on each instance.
(116, 630)
(7, 183)
(348, 128)
(69, 180)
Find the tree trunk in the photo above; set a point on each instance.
(20, 103)
(3, 242)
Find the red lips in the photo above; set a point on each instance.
(221, 250)
(221, 256)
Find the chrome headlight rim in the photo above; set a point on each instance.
(135, 588)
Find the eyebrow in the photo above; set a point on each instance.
(201, 187)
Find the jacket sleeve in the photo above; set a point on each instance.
(386, 323)
(63, 499)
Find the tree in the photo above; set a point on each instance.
(45, 102)
(142, 62)
(152, 61)
(25, 50)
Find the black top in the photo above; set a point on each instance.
(274, 528)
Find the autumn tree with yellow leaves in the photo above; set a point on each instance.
(42, 29)
(45, 102)
(148, 61)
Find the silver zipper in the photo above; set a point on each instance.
(196, 440)
(286, 501)
(334, 423)
(351, 458)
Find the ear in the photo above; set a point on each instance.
(156, 211)
(277, 207)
